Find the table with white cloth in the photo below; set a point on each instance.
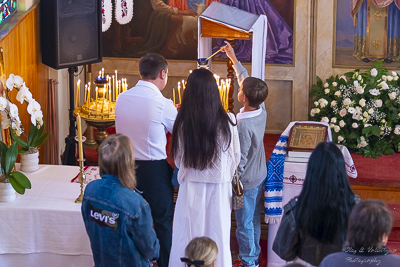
(44, 227)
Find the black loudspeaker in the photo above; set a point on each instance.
(70, 32)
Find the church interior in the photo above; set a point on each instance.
(307, 40)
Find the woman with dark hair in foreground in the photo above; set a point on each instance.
(314, 223)
(204, 145)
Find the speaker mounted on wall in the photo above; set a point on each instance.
(70, 32)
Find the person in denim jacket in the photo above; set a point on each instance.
(117, 219)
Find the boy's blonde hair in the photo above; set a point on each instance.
(116, 158)
(201, 251)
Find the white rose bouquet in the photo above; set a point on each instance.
(363, 110)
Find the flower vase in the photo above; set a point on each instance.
(7, 192)
(30, 162)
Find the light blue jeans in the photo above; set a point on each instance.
(248, 229)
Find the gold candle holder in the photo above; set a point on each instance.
(82, 178)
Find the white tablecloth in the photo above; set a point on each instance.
(44, 227)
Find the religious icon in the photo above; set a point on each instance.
(367, 30)
(169, 27)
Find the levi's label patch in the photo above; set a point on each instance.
(104, 218)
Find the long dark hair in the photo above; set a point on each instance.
(326, 199)
(200, 122)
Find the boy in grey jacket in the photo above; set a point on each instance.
(252, 168)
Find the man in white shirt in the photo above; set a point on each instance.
(144, 115)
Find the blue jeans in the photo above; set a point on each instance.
(248, 226)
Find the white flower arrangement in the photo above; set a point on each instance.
(366, 107)
(11, 119)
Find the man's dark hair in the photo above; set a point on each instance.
(256, 91)
(150, 66)
(368, 222)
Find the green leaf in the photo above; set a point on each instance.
(375, 130)
(366, 130)
(16, 185)
(353, 135)
(3, 151)
(19, 141)
(21, 179)
(41, 140)
(33, 131)
(11, 156)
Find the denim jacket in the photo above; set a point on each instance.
(119, 224)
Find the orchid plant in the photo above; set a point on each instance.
(11, 120)
(362, 109)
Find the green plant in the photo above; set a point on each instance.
(362, 109)
(35, 139)
(17, 179)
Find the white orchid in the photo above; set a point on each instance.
(37, 117)
(374, 72)
(33, 106)
(3, 103)
(13, 110)
(24, 94)
(14, 81)
(5, 123)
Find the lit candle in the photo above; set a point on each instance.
(77, 94)
(113, 90)
(85, 94)
(173, 95)
(97, 90)
(89, 94)
(183, 84)
(79, 126)
(179, 95)
(102, 72)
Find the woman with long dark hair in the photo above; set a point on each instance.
(314, 223)
(204, 146)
